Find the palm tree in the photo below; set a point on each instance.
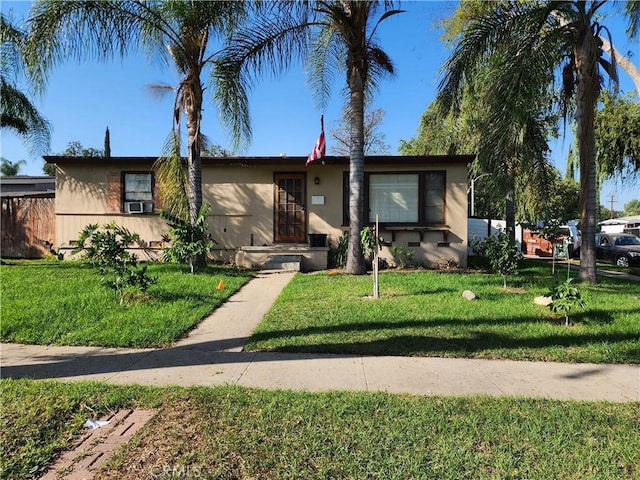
(330, 37)
(537, 40)
(9, 168)
(18, 113)
(180, 32)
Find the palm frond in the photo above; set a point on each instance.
(160, 90)
(231, 83)
(632, 9)
(171, 178)
(325, 62)
(19, 115)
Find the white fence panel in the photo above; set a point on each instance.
(480, 228)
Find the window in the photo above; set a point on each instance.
(434, 187)
(412, 198)
(394, 197)
(137, 192)
(415, 198)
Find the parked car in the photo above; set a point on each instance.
(623, 249)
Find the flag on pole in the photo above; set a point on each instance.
(319, 149)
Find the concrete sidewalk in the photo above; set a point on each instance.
(212, 355)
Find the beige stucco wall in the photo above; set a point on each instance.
(81, 199)
(242, 211)
(242, 202)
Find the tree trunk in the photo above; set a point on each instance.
(510, 206)
(355, 257)
(586, 60)
(193, 110)
(623, 62)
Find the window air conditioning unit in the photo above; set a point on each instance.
(134, 207)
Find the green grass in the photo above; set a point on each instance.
(422, 313)
(64, 303)
(230, 432)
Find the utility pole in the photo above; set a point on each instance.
(611, 199)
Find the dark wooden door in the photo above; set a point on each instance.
(290, 211)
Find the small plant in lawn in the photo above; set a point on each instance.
(107, 248)
(564, 298)
(188, 242)
(403, 255)
(551, 232)
(502, 253)
(56, 254)
(338, 257)
(367, 240)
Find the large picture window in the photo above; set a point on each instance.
(394, 197)
(401, 198)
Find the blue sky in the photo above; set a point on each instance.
(82, 100)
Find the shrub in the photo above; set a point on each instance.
(565, 297)
(403, 255)
(107, 249)
(501, 252)
(338, 256)
(188, 242)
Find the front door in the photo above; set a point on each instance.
(290, 213)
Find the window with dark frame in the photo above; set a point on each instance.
(401, 198)
(137, 192)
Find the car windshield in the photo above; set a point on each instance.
(628, 240)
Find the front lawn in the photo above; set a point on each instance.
(231, 432)
(422, 313)
(63, 303)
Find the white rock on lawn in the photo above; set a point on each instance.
(469, 295)
(545, 301)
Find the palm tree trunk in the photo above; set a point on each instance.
(355, 258)
(193, 110)
(586, 57)
(510, 204)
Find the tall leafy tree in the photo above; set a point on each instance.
(632, 207)
(17, 113)
(76, 149)
(181, 33)
(545, 41)
(374, 139)
(617, 132)
(510, 143)
(331, 37)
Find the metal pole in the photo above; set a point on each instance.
(473, 197)
(376, 290)
(473, 193)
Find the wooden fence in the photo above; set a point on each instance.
(27, 225)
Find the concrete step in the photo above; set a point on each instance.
(289, 263)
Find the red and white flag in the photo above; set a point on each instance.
(319, 149)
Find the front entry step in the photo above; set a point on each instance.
(289, 263)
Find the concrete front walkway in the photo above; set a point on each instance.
(212, 355)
